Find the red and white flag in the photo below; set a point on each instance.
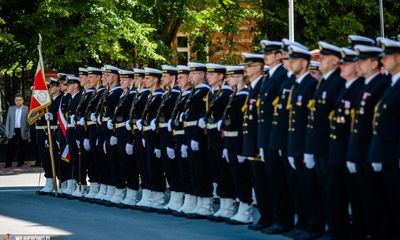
(40, 94)
(63, 125)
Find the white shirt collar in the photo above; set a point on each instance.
(54, 98)
(203, 85)
(114, 88)
(368, 80)
(328, 74)
(89, 90)
(254, 83)
(187, 92)
(272, 70)
(143, 90)
(349, 83)
(300, 79)
(244, 91)
(289, 74)
(75, 94)
(395, 78)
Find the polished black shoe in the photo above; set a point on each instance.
(234, 222)
(164, 211)
(211, 218)
(20, 164)
(83, 199)
(7, 165)
(135, 207)
(293, 233)
(195, 216)
(308, 236)
(275, 229)
(41, 193)
(122, 206)
(258, 226)
(177, 214)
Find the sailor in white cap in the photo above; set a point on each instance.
(314, 70)
(135, 141)
(196, 141)
(167, 145)
(383, 154)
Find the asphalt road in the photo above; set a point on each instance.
(24, 212)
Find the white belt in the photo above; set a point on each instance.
(45, 127)
(162, 125)
(70, 125)
(230, 133)
(212, 125)
(179, 132)
(88, 123)
(105, 119)
(121, 124)
(190, 123)
(146, 128)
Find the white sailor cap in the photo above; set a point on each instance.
(360, 40)
(83, 71)
(365, 52)
(329, 49)
(230, 70)
(286, 43)
(265, 70)
(95, 71)
(314, 65)
(389, 47)
(126, 74)
(194, 66)
(72, 79)
(111, 69)
(378, 41)
(270, 46)
(347, 55)
(139, 72)
(299, 52)
(153, 72)
(250, 58)
(212, 67)
(54, 82)
(183, 69)
(169, 69)
(62, 76)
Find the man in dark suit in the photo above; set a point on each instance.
(253, 68)
(341, 186)
(384, 151)
(316, 149)
(17, 130)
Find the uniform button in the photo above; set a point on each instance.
(330, 135)
(293, 120)
(258, 120)
(266, 94)
(262, 111)
(375, 133)
(339, 110)
(262, 102)
(294, 112)
(355, 131)
(319, 101)
(333, 127)
(356, 121)
(334, 136)
(312, 127)
(262, 120)
(334, 119)
(376, 124)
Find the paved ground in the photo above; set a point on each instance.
(24, 212)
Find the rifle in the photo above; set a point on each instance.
(121, 101)
(90, 101)
(146, 109)
(208, 117)
(228, 108)
(132, 111)
(162, 105)
(102, 101)
(174, 114)
(189, 101)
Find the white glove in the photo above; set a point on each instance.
(225, 154)
(194, 145)
(309, 160)
(78, 144)
(82, 121)
(280, 153)
(351, 167)
(241, 159)
(110, 125)
(170, 125)
(93, 117)
(291, 162)
(128, 125)
(99, 120)
(72, 121)
(181, 117)
(144, 142)
(97, 142)
(261, 153)
(139, 124)
(184, 151)
(48, 116)
(129, 149)
(202, 123)
(113, 141)
(46, 143)
(171, 153)
(157, 152)
(58, 144)
(377, 166)
(219, 125)
(104, 147)
(153, 124)
(86, 144)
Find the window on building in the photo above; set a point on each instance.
(183, 49)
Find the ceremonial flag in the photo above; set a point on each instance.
(40, 94)
(63, 125)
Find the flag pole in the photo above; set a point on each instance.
(381, 18)
(53, 166)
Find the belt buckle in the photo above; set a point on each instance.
(185, 124)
